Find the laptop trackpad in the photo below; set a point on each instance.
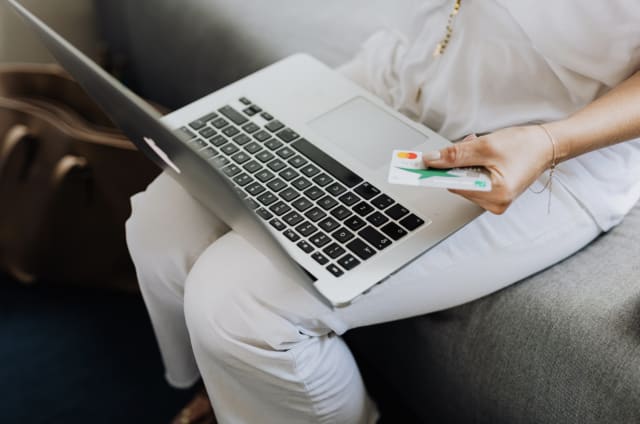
(366, 132)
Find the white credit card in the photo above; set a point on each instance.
(407, 168)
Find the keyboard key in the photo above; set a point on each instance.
(302, 204)
(341, 213)
(291, 235)
(333, 167)
(349, 199)
(253, 147)
(230, 131)
(301, 183)
(253, 166)
(240, 158)
(243, 179)
(264, 175)
(220, 123)
(297, 161)
(327, 202)
(255, 189)
(209, 152)
(377, 219)
(185, 133)
(218, 140)
(322, 180)
(382, 202)
(240, 193)
(334, 250)
(306, 229)
(277, 224)
(314, 193)
(335, 189)
(280, 208)
(374, 238)
(241, 139)
(320, 258)
(255, 109)
(366, 190)
(363, 208)
(306, 247)
(251, 203)
(231, 170)
(276, 185)
(229, 149)
(245, 101)
(319, 239)
(273, 144)
(310, 170)
(396, 212)
(267, 198)
(261, 136)
(329, 224)
(287, 135)
(315, 214)
(288, 174)
(233, 115)
(394, 231)
(348, 262)
(342, 235)
(274, 126)
(207, 132)
(251, 128)
(285, 153)
(333, 269)
(264, 214)
(289, 194)
(249, 112)
(266, 116)
(361, 249)
(265, 157)
(220, 161)
(197, 124)
(209, 117)
(354, 223)
(411, 222)
(292, 218)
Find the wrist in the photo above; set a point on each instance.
(562, 135)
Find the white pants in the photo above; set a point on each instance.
(267, 351)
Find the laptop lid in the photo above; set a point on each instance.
(142, 125)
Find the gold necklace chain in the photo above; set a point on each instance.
(442, 45)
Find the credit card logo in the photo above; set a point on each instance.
(407, 155)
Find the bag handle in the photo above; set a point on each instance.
(17, 135)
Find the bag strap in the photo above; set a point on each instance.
(16, 136)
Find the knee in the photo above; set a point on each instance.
(229, 316)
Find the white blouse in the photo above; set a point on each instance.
(512, 62)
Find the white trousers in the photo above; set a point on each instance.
(267, 351)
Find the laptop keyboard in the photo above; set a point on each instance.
(329, 212)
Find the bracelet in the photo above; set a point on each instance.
(552, 168)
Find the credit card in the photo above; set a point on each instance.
(407, 168)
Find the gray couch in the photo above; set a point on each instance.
(560, 347)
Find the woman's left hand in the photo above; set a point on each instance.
(514, 157)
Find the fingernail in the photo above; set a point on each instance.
(470, 137)
(433, 155)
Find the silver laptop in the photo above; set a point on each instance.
(295, 158)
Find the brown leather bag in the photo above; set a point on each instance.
(66, 176)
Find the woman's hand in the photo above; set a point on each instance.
(514, 157)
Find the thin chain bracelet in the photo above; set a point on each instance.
(552, 168)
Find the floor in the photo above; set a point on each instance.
(77, 356)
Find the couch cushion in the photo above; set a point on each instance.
(561, 346)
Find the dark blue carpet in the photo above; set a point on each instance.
(79, 356)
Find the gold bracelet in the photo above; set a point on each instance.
(552, 168)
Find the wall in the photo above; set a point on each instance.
(74, 19)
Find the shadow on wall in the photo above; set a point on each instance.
(74, 19)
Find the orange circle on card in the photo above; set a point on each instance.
(407, 155)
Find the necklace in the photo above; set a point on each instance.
(442, 45)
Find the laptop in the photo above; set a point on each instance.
(294, 158)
